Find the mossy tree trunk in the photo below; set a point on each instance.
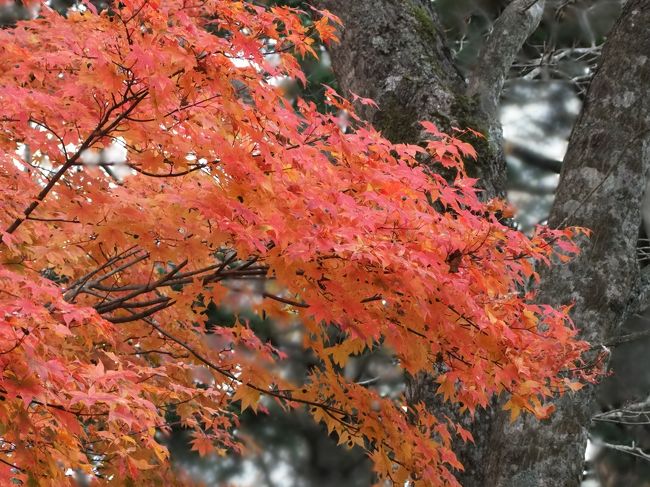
(395, 53)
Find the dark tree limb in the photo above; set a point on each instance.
(532, 157)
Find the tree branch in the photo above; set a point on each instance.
(517, 22)
(532, 157)
(631, 450)
(632, 414)
(100, 131)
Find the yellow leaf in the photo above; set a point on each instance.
(248, 396)
(513, 407)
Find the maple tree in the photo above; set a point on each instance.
(107, 265)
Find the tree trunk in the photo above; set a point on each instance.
(395, 53)
(601, 188)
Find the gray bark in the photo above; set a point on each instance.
(601, 187)
(508, 34)
(395, 53)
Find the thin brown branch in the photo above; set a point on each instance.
(100, 131)
(285, 396)
(139, 316)
(291, 302)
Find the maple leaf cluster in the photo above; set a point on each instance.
(221, 187)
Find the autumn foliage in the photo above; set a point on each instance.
(228, 189)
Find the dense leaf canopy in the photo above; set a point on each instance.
(151, 165)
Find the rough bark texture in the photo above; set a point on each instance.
(394, 52)
(509, 32)
(601, 187)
